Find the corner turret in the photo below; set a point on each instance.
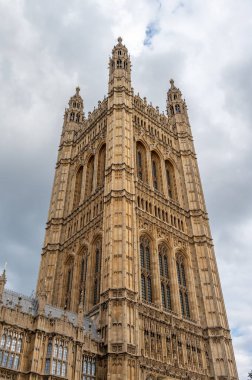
(74, 113)
(175, 104)
(120, 67)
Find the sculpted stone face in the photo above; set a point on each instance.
(128, 286)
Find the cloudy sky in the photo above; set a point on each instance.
(48, 47)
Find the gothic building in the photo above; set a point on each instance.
(128, 286)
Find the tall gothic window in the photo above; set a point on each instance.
(77, 187)
(69, 280)
(141, 161)
(83, 275)
(101, 166)
(10, 349)
(89, 177)
(170, 178)
(97, 272)
(164, 276)
(88, 367)
(156, 171)
(56, 358)
(183, 288)
(145, 258)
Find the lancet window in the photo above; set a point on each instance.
(88, 367)
(77, 187)
(170, 178)
(141, 162)
(183, 287)
(97, 271)
(83, 275)
(164, 276)
(10, 349)
(89, 177)
(56, 358)
(156, 172)
(101, 166)
(68, 284)
(146, 278)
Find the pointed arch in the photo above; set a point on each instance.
(170, 180)
(89, 177)
(141, 162)
(156, 171)
(101, 166)
(77, 187)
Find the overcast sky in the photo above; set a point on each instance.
(48, 47)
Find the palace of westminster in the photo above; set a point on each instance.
(128, 286)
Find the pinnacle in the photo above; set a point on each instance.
(119, 39)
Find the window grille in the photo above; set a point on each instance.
(164, 276)
(56, 358)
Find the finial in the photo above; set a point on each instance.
(119, 39)
(77, 90)
(172, 83)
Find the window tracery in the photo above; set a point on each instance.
(89, 177)
(141, 162)
(77, 187)
(101, 166)
(97, 271)
(164, 276)
(156, 171)
(145, 259)
(88, 367)
(10, 349)
(56, 358)
(170, 179)
(183, 288)
(69, 280)
(82, 275)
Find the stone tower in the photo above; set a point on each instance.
(128, 242)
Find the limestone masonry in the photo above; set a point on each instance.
(128, 286)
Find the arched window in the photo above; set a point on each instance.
(145, 259)
(69, 280)
(89, 177)
(156, 171)
(141, 162)
(83, 275)
(101, 166)
(77, 187)
(97, 272)
(72, 116)
(183, 288)
(77, 118)
(170, 179)
(177, 108)
(164, 276)
(171, 110)
(88, 368)
(119, 64)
